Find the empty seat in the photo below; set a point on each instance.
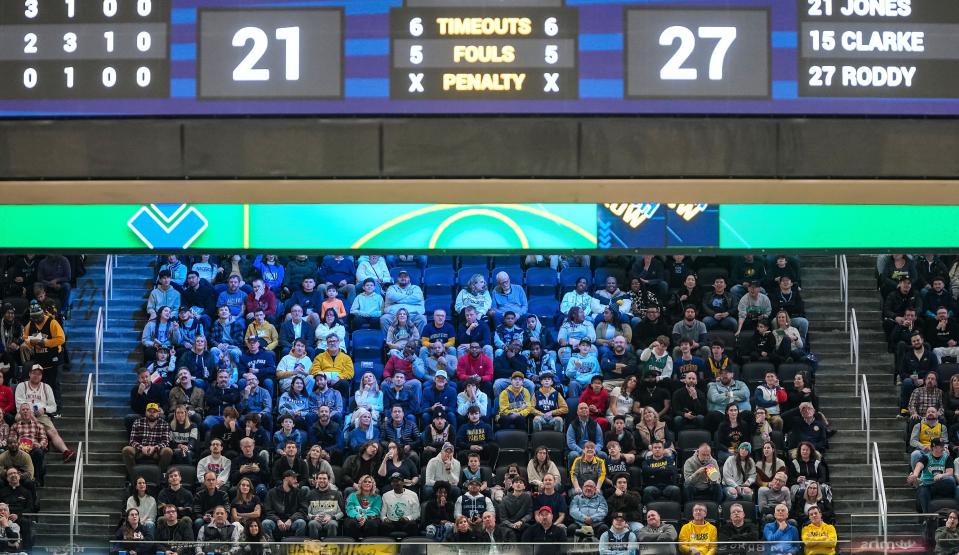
(689, 440)
(754, 373)
(466, 272)
(600, 275)
(569, 277)
(545, 308)
(788, 370)
(541, 282)
(438, 280)
(474, 261)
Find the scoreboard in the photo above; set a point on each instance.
(63, 58)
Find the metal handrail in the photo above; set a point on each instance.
(88, 415)
(865, 412)
(879, 494)
(108, 286)
(854, 343)
(76, 493)
(843, 266)
(98, 345)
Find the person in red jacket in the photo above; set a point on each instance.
(7, 404)
(409, 365)
(597, 399)
(476, 363)
(261, 298)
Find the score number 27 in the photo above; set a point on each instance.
(674, 70)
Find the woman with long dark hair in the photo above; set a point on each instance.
(255, 540)
(131, 532)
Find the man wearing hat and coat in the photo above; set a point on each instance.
(401, 509)
(544, 531)
(285, 508)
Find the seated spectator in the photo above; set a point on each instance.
(550, 496)
(789, 341)
(199, 297)
(624, 501)
(285, 508)
(286, 433)
(768, 396)
(408, 364)
(364, 431)
(688, 361)
(172, 531)
(329, 325)
(149, 438)
(924, 432)
(142, 394)
(331, 301)
(943, 334)
(788, 299)
(516, 512)
(575, 329)
(403, 431)
(443, 468)
(363, 509)
(657, 531)
(296, 363)
(463, 532)
(367, 307)
(336, 364)
(656, 359)
(819, 537)
(295, 327)
(438, 432)
(649, 429)
(438, 514)
(261, 298)
(781, 534)
(545, 531)
(597, 400)
(651, 326)
(947, 536)
(515, 405)
(215, 462)
(401, 508)
(581, 430)
(475, 295)
(579, 297)
(476, 436)
(689, 404)
(734, 430)
(768, 465)
(719, 308)
(491, 533)
(506, 298)
(581, 367)
(660, 475)
(144, 503)
(775, 494)
(207, 500)
(809, 429)
(299, 405)
(226, 335)
(812, 496)
(257, 401)
(921, 398)
(471, 396)
(539, 466)
(398, 394)
(685, 294)
(227, 431)
(161, 331)
(368, 396)
(257, 361)
(401, 332)
(698, 536)
(252, 467)
(476, 363)
(739, 473)
(717, 361)
(440, 395)
(14, 457)
(472, 330)
(509, 359)
(897, 301)
(609, 328)
(217, 532)
(328, 434)
(163, 295)
(737, 529)
(219, 397)
(536, 335)
(324, 508)
(933, 475)
(135, 532)
(585, 468)
(805, 466)
(175, 495)
(472, 504)
(692, 329)
(753, 307)
(246, 505)
(721, 393)
(762, 345)
(618, 363)
(402, 294)
(438, 331)
(397, 462)
(549, 405)
(702, 476)
(199, 362)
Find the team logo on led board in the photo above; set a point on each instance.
(168, 226)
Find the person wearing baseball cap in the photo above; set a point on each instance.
(443, 468)
(582, 366)
(544, 531)
(149, 439)
(515, 404)
(43, 340)
(284, 508)
(619, 539)
(401, 509)
(439, 395)
(473, 504)
(438, 432)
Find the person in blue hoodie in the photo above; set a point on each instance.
(232, 297)
(271, 271)
(581, 368)
(782, 535)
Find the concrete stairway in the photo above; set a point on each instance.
(105, 476)
(850, 477)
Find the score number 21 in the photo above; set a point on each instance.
(674, 70)
(246, 70)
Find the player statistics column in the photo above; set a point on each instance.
(879, 48)
(477, 49)
(84, 49)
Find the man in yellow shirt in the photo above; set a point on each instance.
(515, 404)
(336, 364)
(818, 537)
(698, 537)
(264, 330)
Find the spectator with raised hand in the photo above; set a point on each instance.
(947, 536)
(261, 298)
(403, 294)
(506, 298)
(897, 301)
(161, 331)
(44, 345)
(656, 360)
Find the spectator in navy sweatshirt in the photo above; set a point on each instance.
(309, 299)
(218, 397)
(198, 295)
(340, 272)
(472, 330)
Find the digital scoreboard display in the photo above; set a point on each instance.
(103, 58)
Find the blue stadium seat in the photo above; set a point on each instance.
(367, 344)
(439, 262)
(569, 276)
(515, 275)
(466, 272)
(473, 261)
(599, 277)
(541, 282)
(438, 301)
(416, 275)
(438, 281)
(545, 307)
(506, 261)
(364, 365)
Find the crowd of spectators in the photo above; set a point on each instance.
(478, 399)
(35, 292)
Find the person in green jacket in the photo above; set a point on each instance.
(947, 537)
(363, 509)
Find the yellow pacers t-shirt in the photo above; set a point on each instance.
(819, 540)
(700, 536)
